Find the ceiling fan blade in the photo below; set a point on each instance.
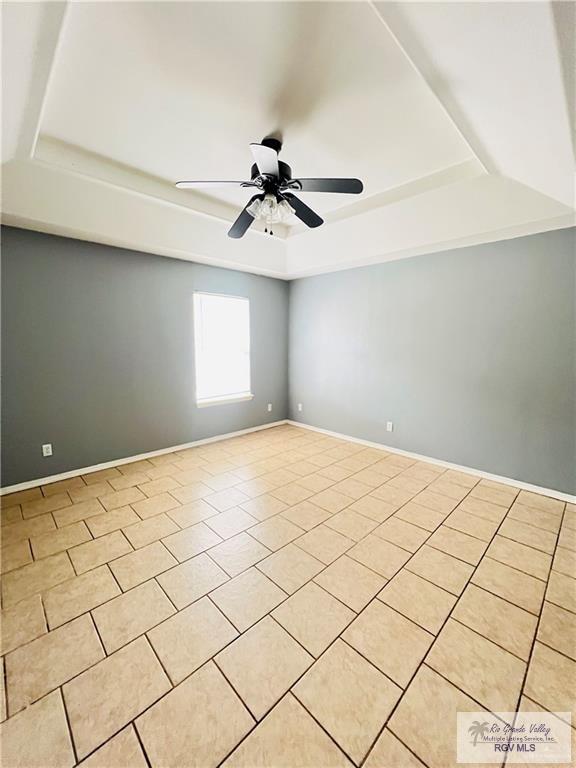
(266, 159)
(303, 212)
(243, 222)
(345, 186)
(204, 184)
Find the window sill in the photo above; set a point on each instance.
(208, 402)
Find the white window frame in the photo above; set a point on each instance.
(234, 397)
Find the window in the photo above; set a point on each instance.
(222, 342)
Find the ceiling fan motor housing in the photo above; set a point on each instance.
(273, 143)
(284, 170)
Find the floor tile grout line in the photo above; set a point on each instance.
(556, 650)
(342, 639)
(286, 693)
(64, 489)
(332, 738)
(213, 659)
(178, 610)
(175, 453)
(132, 721)
(436, 637)
(297, 641)
(62, 683)
(515, 568)
(458, 688)
(217, 511)
(132, 724)
(158, 659)
(339, 637)
(222, 568)
(360, 513)
(207, 552)
(409, 749)
(409, 522)
(451, 554)
(315, 660)
(74, 571)
(341, 557)
(459, 530)
(107, 654)
(288, 597)
(115, 581)
(42, 595)
(106, 562)
(489, 639)
(342, 631)
(72, 548)
(392, 608)
(532, 525)
(229, 620)
(535, 638)
(172, 603)
(536, 549)
(98, 635)
(478, 516)
(396, 544)
(557, 605)
(504, 599)
(46, 622)
(140, 634)
(5, 689)
(572, 724)
(136, 585)
(68, 723)
(439, 586)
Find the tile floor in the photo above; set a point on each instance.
(278, 599)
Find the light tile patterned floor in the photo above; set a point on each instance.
(282, 598)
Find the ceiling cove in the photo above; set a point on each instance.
(457, 118)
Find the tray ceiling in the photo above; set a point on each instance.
(454, 115)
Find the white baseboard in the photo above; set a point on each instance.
(470, 470)
(130, 459)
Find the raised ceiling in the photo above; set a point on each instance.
(455, 116)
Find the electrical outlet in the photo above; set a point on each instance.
(269, 407)
(47, 449)
(300, 406)
(389, 426)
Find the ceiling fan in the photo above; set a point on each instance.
(275, 201)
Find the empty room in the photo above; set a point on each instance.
(288, 384)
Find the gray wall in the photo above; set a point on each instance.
(470, 352)
(97, 353)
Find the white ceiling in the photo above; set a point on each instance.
(455, 116)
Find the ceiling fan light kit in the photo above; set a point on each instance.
(276, 201)
(271, 210)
